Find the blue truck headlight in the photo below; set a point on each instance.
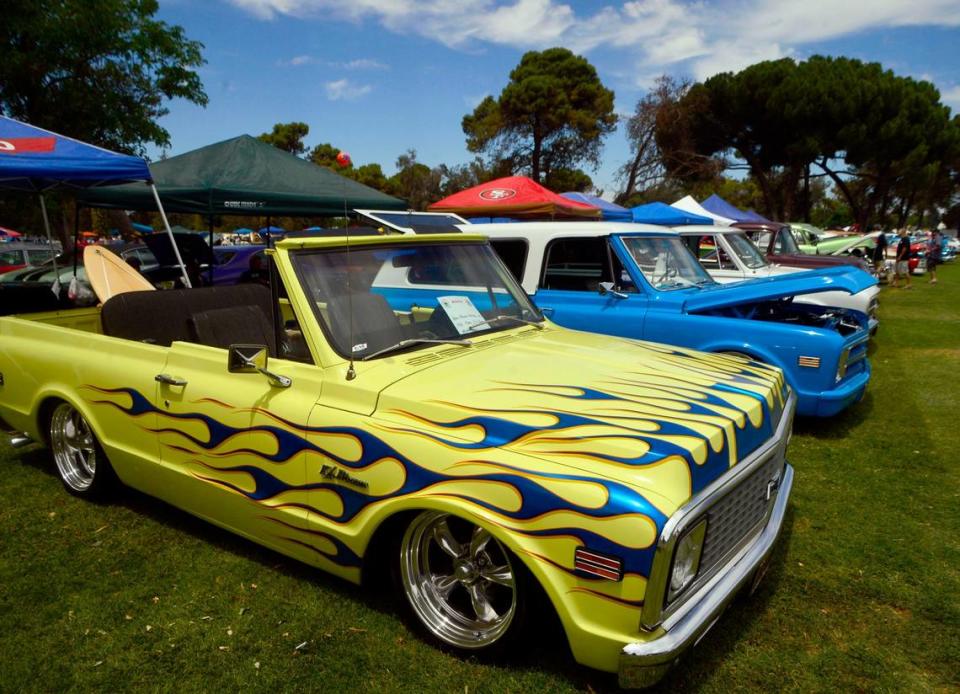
(686, 559)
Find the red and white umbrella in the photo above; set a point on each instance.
(9, 232)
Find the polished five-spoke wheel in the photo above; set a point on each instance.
(459, 580)
(80, 462)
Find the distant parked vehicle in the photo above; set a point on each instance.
(777, 242)
(15, 255)
(232, 261)
(729, 256)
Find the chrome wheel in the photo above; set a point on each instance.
(74, 448)
(458, 579)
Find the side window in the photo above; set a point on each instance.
(711, 254)
(436, 273)
(576, 264)
(762, 239)
(623, 282)
(778, 244)
(513, 253)
(293, 344)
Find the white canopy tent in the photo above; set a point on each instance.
(688, 204)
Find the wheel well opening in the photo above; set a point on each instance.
(44, 413)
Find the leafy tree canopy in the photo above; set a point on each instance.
(553, 114)
(288, 137)
(97, 70)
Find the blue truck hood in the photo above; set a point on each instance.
(844, 278)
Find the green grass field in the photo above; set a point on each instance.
(863, 593)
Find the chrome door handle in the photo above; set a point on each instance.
(547, 310)
(169, 380)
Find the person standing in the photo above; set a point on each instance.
(880, 252)
(903, 260)
(934, 254)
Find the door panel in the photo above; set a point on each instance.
(233, 446)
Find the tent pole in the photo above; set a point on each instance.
(76, 236)
(210, 221)
(55, 287)
(173, 241)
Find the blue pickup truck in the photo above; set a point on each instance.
(642, 282)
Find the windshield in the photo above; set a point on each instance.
(373, 298)
(746, 251)
(666, 262)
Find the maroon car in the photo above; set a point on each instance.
(777, 242)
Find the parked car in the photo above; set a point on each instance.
(776, 241)
(641, 281)
(729, 256)
(233, 261)
(15, 255)
(441, 433)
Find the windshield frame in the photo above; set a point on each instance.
(525, 303)
(633, 267)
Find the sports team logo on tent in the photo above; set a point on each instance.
(497, 193)
(19, 145)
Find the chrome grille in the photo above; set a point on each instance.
(737, 516)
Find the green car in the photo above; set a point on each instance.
(816, 241)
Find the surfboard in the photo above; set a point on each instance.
(109, 275)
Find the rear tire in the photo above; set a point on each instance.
(464, 588)
(80, 461)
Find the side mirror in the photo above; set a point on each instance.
(608, 288)
(248, 359)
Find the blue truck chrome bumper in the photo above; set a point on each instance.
(644, 663)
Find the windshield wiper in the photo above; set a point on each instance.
(496, 319)
(415, 341)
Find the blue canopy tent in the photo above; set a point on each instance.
(666, 215)
(719, 206)
(610, 212)
(752, 216)
(34, 160)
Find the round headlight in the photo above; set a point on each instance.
(686, 559)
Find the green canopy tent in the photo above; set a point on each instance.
(244, 176)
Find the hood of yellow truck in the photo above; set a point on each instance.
(661, 418)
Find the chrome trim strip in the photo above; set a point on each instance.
(645, 662)
(653, 603)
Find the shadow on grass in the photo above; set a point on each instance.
(698, 664)
(839, 426)
(547, 649)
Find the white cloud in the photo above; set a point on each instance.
(705, 35)
(345, 90)
(361, 64)
(951, 97)
(297, 61)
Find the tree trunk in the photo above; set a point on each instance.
(855, 207)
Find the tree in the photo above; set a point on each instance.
(885, 142)
(553, 114)
(325, 154)
(646, 168)
(97, 70)
(288, 137)
(416, 183)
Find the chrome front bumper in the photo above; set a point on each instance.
(644, 663)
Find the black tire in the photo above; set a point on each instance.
(81, 464)
(448, 571)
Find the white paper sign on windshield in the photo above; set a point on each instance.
(462, 313)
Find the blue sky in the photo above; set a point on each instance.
(378, 77)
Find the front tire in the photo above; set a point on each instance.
(81, 464)
(463, 586)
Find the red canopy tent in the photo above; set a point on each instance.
(514, 196)
(9, 232)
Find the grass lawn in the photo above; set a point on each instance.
(863, 593)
